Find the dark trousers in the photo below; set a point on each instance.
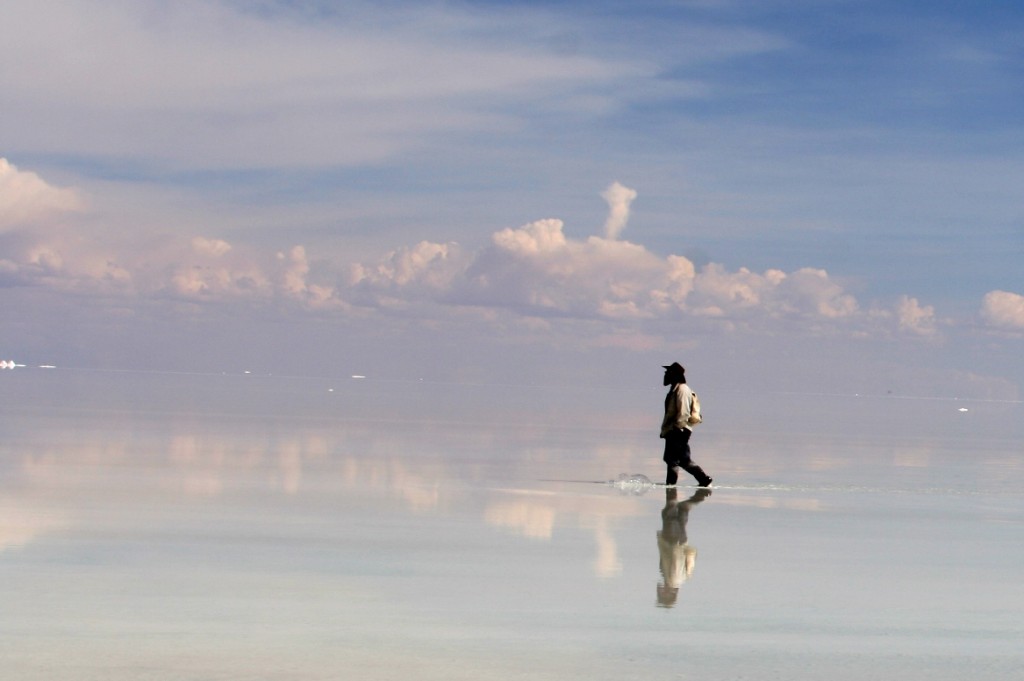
(677, 455)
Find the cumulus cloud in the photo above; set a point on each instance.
(719, 290)
(211, 247)
(195, 277)
(619, 198)
(1004, 309)
(213, 270)
(536, 270)
(543, 236)
(200, 269)
(914, 317)
(407, 275)
(532, 272)
(26, 199)
(296, 282)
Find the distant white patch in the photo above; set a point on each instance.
(1004, 308)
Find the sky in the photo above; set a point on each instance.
(781, 194)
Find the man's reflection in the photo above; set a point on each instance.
(677, 557)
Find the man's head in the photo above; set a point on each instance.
(674, 373)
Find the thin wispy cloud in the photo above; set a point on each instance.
(250, 89)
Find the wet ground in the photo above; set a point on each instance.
(190, 527)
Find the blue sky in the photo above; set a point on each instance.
(782, 192)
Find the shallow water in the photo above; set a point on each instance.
(198, 527)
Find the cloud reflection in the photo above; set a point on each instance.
(22, 521)
(527, 518)
(536, 514)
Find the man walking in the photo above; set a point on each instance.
(676, 428)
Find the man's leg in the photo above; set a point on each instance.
(703, 479)
(671, 458)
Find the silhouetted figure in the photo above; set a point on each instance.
(676, 428)
(677, 558)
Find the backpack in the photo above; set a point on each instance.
(694, 418)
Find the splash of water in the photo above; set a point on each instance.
(636, 483)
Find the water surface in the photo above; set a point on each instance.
(224, 527)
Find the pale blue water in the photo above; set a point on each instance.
(247, 527)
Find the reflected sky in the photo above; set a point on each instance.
(189, 528)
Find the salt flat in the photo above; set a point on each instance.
(213, 527)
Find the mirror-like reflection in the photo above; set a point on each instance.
(205, 544)
(677, 557)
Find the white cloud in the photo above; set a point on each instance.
(533, 271)
(812, 290)
(213, 270)
(425, 270)
(296, 284)
(807, 293)
(914, 317)
(540, 237)
(718, 290)
(537, 270)
(193, 279)
(1003, 308)
(619, 198)
(141, 267)
(210, 247)
(26, 199)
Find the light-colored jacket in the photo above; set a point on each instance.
(677, 408)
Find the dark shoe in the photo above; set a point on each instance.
(706, 483)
